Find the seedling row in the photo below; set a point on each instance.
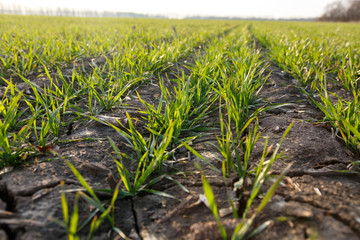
(74, 72)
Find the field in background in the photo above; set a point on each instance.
(113, 112)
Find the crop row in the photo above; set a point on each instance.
(211, 67)
(27, 44)
(85, 89)
(89, 67)
(320, 56)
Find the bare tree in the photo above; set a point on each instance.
(337, 11)
(353, 12)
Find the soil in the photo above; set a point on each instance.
(314, 199)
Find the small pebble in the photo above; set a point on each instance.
(277, 129)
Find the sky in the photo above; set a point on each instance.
(183, 8)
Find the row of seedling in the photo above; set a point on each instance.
(241, 73)
(27, 44)
(228, 73)
(319, 55)
(85, 93)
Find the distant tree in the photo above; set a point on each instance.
(339, 12)
(353, 12)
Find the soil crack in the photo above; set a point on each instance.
(136, 223)
(7, 197)
(318, 173)
(51, 184)
(345, 219)
(9, 233)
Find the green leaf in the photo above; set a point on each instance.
(74, 217)
(159, 193)
(64, 206)
(273, 188)
(82, 181)
(211, 199)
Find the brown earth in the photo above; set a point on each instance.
(314, 199)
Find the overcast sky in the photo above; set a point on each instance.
(233, 8)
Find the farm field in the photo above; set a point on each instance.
(178, 129)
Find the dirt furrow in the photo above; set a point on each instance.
(316, 199)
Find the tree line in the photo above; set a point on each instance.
(340, 11)
(16, 9)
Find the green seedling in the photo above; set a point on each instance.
(13, 151)
(341, 114)
(150, 156)
(92, 199)
(186, 117)
(12, 118)
(261, 173)
(71, 223)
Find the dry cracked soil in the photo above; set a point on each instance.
(313, 201)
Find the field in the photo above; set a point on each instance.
(178, 129)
